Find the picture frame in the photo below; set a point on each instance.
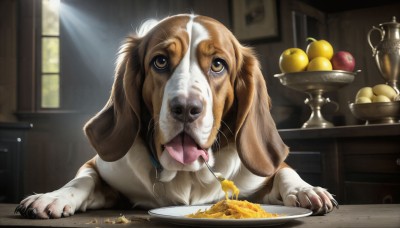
(255, 21)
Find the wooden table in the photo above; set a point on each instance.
(376, 215)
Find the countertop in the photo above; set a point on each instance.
(372, 130)
(377, 215)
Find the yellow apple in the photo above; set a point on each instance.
(362, 100)
(385, 90)
(319, 64)
(293, 60)
(380, 98)
(319, 48)
(365, 92)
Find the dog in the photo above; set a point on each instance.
(185, 92)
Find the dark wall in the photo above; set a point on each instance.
(8, 60)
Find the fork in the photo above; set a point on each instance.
(217, 175)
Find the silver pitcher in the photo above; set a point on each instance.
(387, 51)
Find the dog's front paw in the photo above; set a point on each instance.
(45, 206)
(317, 199)
(289, 189)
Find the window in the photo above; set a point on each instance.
(49, 80)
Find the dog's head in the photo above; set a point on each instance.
(188, 87)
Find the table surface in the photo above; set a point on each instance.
(349, 131)
(378, 215)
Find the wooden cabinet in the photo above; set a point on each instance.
(308, 164)
(359, 164)
(371, 169)
(12, 145)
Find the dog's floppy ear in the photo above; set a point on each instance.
(259, 144)
(113, 130)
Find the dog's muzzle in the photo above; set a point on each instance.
(183, 148)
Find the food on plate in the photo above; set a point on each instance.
(233, 209)
(343, 60)
(378, 93)
(293, 60)
(319, 64)
(319, 48)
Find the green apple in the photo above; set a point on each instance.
(293, 60)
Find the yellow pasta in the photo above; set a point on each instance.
(227, 186)
(233, 209)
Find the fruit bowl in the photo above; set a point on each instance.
(312, 81)
(377, 113)
(315, 84)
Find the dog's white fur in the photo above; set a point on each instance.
(181, 84)
(135, 177)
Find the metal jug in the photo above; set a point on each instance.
(387, 51)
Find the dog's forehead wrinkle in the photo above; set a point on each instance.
(196, 88)
(188, 71)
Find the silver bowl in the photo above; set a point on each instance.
(315, 84)
(377, 113)
(311, 81)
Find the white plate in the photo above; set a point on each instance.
(176, 215)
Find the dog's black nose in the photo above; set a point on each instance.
(186, 109)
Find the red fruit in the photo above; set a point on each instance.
(343, 60)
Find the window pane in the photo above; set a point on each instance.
(50, 17)
(51, 91)
(50, 55)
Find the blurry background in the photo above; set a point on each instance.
(57, 61)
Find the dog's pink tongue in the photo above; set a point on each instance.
(184, 149)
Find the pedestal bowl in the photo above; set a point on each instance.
(377, 113)
(315, 84)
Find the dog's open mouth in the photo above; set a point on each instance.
(184, 149)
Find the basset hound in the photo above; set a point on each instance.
(185, 92)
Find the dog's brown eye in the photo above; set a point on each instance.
(218, 66)
(160, 63)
